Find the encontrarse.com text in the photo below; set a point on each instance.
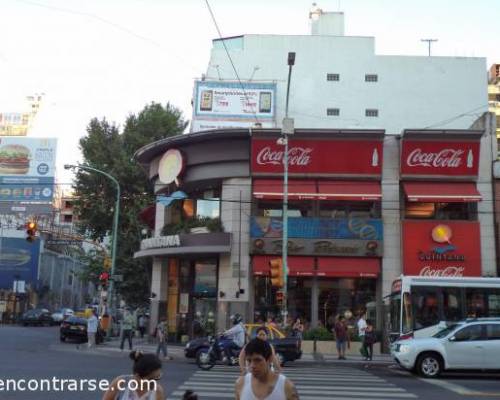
(55, 384)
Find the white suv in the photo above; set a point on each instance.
(473, 344)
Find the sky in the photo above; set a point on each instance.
(109, 58)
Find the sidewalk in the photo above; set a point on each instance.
(175, 350)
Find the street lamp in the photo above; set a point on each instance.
(287, 129)
(114, 235)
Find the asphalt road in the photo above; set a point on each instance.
(35, 353)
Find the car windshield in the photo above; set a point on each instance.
(445, 331)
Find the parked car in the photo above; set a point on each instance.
(287, 348)
(61, 315)
(75, 328)
(38, 316)
(470, 344)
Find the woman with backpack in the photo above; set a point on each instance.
(369, 340)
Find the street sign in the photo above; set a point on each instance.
(117, 278)
(63, 242)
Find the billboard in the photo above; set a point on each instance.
(18, 261)
(14, 124)
(205, 125)
(234, 100)
(27, 168)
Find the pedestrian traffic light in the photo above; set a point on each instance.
(31, 228)
(276, 266)
(280, 297)
(103, 278)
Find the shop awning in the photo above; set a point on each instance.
(348, 267)
(446, 192)
(297, 266)
(349, 190)
(272, 189)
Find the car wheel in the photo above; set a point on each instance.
(429, 365)
(62, 338)
(281, 358)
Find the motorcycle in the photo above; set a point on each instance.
(207, 358)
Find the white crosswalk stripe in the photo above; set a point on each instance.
(313, 383)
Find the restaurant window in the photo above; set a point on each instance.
(441, 211)
(274, 208)
(202, 205)
(342, 209)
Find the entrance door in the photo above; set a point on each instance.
(204, 316)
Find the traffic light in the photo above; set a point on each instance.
(277, 279)
(31, 228)
(280, 297)
(107, 262)
(103, 278)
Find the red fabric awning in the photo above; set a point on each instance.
(348, 267)
(297, 266)
(273, 189)
(349, 190)
(447, 192)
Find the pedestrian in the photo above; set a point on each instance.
(341, 337)
(262, 382)
(142, 384)
(162, 337)
(369, 339)
(142, 325)
(298, 328)
(262, 333)
(127, 329)
(92, 326)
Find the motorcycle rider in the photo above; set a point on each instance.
(237, 336)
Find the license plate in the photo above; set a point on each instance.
(74, 328)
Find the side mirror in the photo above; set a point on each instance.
(452, 339)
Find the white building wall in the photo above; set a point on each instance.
(411, 92)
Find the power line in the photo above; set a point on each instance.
(231, 60)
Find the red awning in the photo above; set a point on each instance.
(273, 189)
(447, 192)
(348, 267)
(297, 266)
(349, 190)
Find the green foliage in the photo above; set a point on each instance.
(212, 225)
(321, 334)
(107, 149)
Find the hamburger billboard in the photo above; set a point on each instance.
(27, 168)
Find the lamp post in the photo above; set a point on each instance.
(287, 129)
(114, 236)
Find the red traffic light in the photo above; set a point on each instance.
(277, 279)
(104, 276)
(31, 228)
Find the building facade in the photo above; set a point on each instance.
(364, 208)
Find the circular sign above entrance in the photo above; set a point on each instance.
(171, 166)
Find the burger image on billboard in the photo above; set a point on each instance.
(14, 159)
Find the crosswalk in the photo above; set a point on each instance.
(313, 383)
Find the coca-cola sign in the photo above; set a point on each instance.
(341, 157)
(441, 248)
(439, 158)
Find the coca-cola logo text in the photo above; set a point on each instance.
(454, 271)
(446, 158)
(300, 156)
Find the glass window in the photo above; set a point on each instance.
(395, 310)
(493, 302)
(208, 205)
(493, 331)
(340, 209)
(469, 333)
(445, 211)
(475, 302)
(452, 304)
(425, 307)
(205, 279)
(407, 313)
(274, 208)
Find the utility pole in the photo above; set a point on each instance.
(286, 130)
(429, 42)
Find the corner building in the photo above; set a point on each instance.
(364, 207)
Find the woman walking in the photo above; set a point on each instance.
(369, 340)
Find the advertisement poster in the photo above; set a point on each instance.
(18, 261)
(27, 168)
(14, 124)
(234, 100)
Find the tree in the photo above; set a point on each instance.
(107, 149)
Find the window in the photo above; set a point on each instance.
(205, 279)
(68, 218)
(445, 211)
(475, 301)
(469, 333)
(332, 112)
(371, 112)
(274, 208)
(493, 331)
(339, 209)
(425, 305)
(332, 77)
(371, 78)
(452, 304)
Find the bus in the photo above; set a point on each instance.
(420, 305)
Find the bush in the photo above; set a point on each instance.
(184, 226)
(321, 334)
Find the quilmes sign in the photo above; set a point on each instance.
(161, 241)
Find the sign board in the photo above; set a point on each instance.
(207, 125)
(161, 241)
(63, 242)
(19, 287)
(18, 261)
(319, 157)
(14, 123)
(234, 100)
(27, 169)
(171, 166)
(439, 158)
(441, 248)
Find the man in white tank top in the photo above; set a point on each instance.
(262, 383)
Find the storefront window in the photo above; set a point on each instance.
(441, 211)
(265, 299)
(205, 280)
(343, 209)
(274, 208)
(299, 295)
(208, 205)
